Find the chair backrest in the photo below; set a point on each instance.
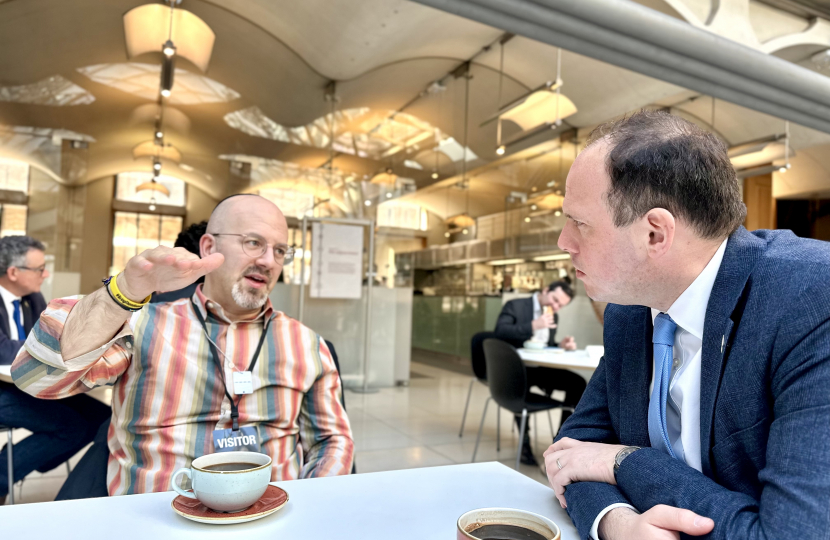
(477, 354)
(506, 375)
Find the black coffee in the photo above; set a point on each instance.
(499, 531)
(230, 467)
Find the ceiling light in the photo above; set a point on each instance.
(165, 93)
(168, 49)
(387, 178)
(156, 166)
(446, 234)
(148, 25)
(153, 185)
(558, 257)
(533, 188)
(557, 213)
(167, 71)
(465, 231)
(533, 207)
(155, 148)
(527, 219)
(551, 183)
(506, 261)
(389, 195)
(460, 221)
(435, 176)
(537, 107)
(500, 150)
(758, 152)
(367, 202)
(159, 135)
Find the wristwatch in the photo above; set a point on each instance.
(621, 455)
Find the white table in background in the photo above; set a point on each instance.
(417, 504)
(561, 359)
(102, 394)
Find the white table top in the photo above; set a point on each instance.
(421, 504)
(560, 358)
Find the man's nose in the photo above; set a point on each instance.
(566, 242)
(267, 259)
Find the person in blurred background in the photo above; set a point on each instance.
(59, 429)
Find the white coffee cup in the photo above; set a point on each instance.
(226, 491)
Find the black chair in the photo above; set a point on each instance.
(480, 375)
(507, 377)
(10, 461)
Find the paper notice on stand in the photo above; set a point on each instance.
(336, 261)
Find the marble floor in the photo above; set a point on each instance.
(400, 428)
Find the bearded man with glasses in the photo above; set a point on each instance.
(59, 429)
(194, 374)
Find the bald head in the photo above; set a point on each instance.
(236, 208)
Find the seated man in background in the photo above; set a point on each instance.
(59, 430)
(191, 373)
(536, 317)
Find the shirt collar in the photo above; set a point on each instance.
(205, 305)
(7, 295)
(537, 307)
(689, 310)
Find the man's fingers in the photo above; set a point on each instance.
(564, 443)
(679, 519)
(211, 263)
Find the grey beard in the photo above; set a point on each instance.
(246, 299)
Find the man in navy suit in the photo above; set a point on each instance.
(59, 429)
(709, 414)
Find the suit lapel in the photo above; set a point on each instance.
(26, 308)
(4, 319)
(635, 377)
(742, 253)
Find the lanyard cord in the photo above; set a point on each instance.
(215, 355)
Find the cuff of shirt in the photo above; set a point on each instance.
(595, 528)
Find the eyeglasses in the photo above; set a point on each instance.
(255, 246)
(39, 270)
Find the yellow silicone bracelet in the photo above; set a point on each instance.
(119, 297)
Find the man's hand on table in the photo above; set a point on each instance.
(594, 462)
(164, 269)
(569, 343)
(580, 462)
(661, 522)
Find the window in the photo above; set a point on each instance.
(13, 219)
(134, 233)
(14, 175)
(125, 189)
(291, 203)
(402, 215)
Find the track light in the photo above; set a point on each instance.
(159, 135)
(500, 150)
(156, 166)
(168, 49)
(167, 71)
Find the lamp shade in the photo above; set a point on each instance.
(151, 149)
(385, 178)
(753, 155)
(146, 29)
(460, 221)
(153, 186)
(540, 107)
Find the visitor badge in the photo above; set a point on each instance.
(228, 440)
(243, 383)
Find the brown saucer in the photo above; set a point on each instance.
(272, 500)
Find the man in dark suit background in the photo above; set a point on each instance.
(536, 317)
(709, 413)
(59, 429)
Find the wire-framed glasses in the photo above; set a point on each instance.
(254, 245)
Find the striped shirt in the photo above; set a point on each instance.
(168, 396)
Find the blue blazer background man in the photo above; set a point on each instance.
(59, 429)
(709, 414)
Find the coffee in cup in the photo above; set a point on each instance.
(228, 481)
(505, 524)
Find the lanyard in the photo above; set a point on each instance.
(215, 355)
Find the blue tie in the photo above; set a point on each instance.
(663, 339)
(21, 334)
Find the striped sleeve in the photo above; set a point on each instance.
(41, 370)
(324, 427)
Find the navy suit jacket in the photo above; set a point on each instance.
(31, 306)
(764, 400)
(515, 323)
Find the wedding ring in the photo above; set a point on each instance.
(558, 464)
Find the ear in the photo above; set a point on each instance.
(660, 225)
(207, 245)
(12, 273)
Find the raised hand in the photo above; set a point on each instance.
(544, 321)
(569, 343)
(164, 269)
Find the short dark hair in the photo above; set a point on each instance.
(564, 285)
(658, 160)
(13, 251)
(189, 238)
